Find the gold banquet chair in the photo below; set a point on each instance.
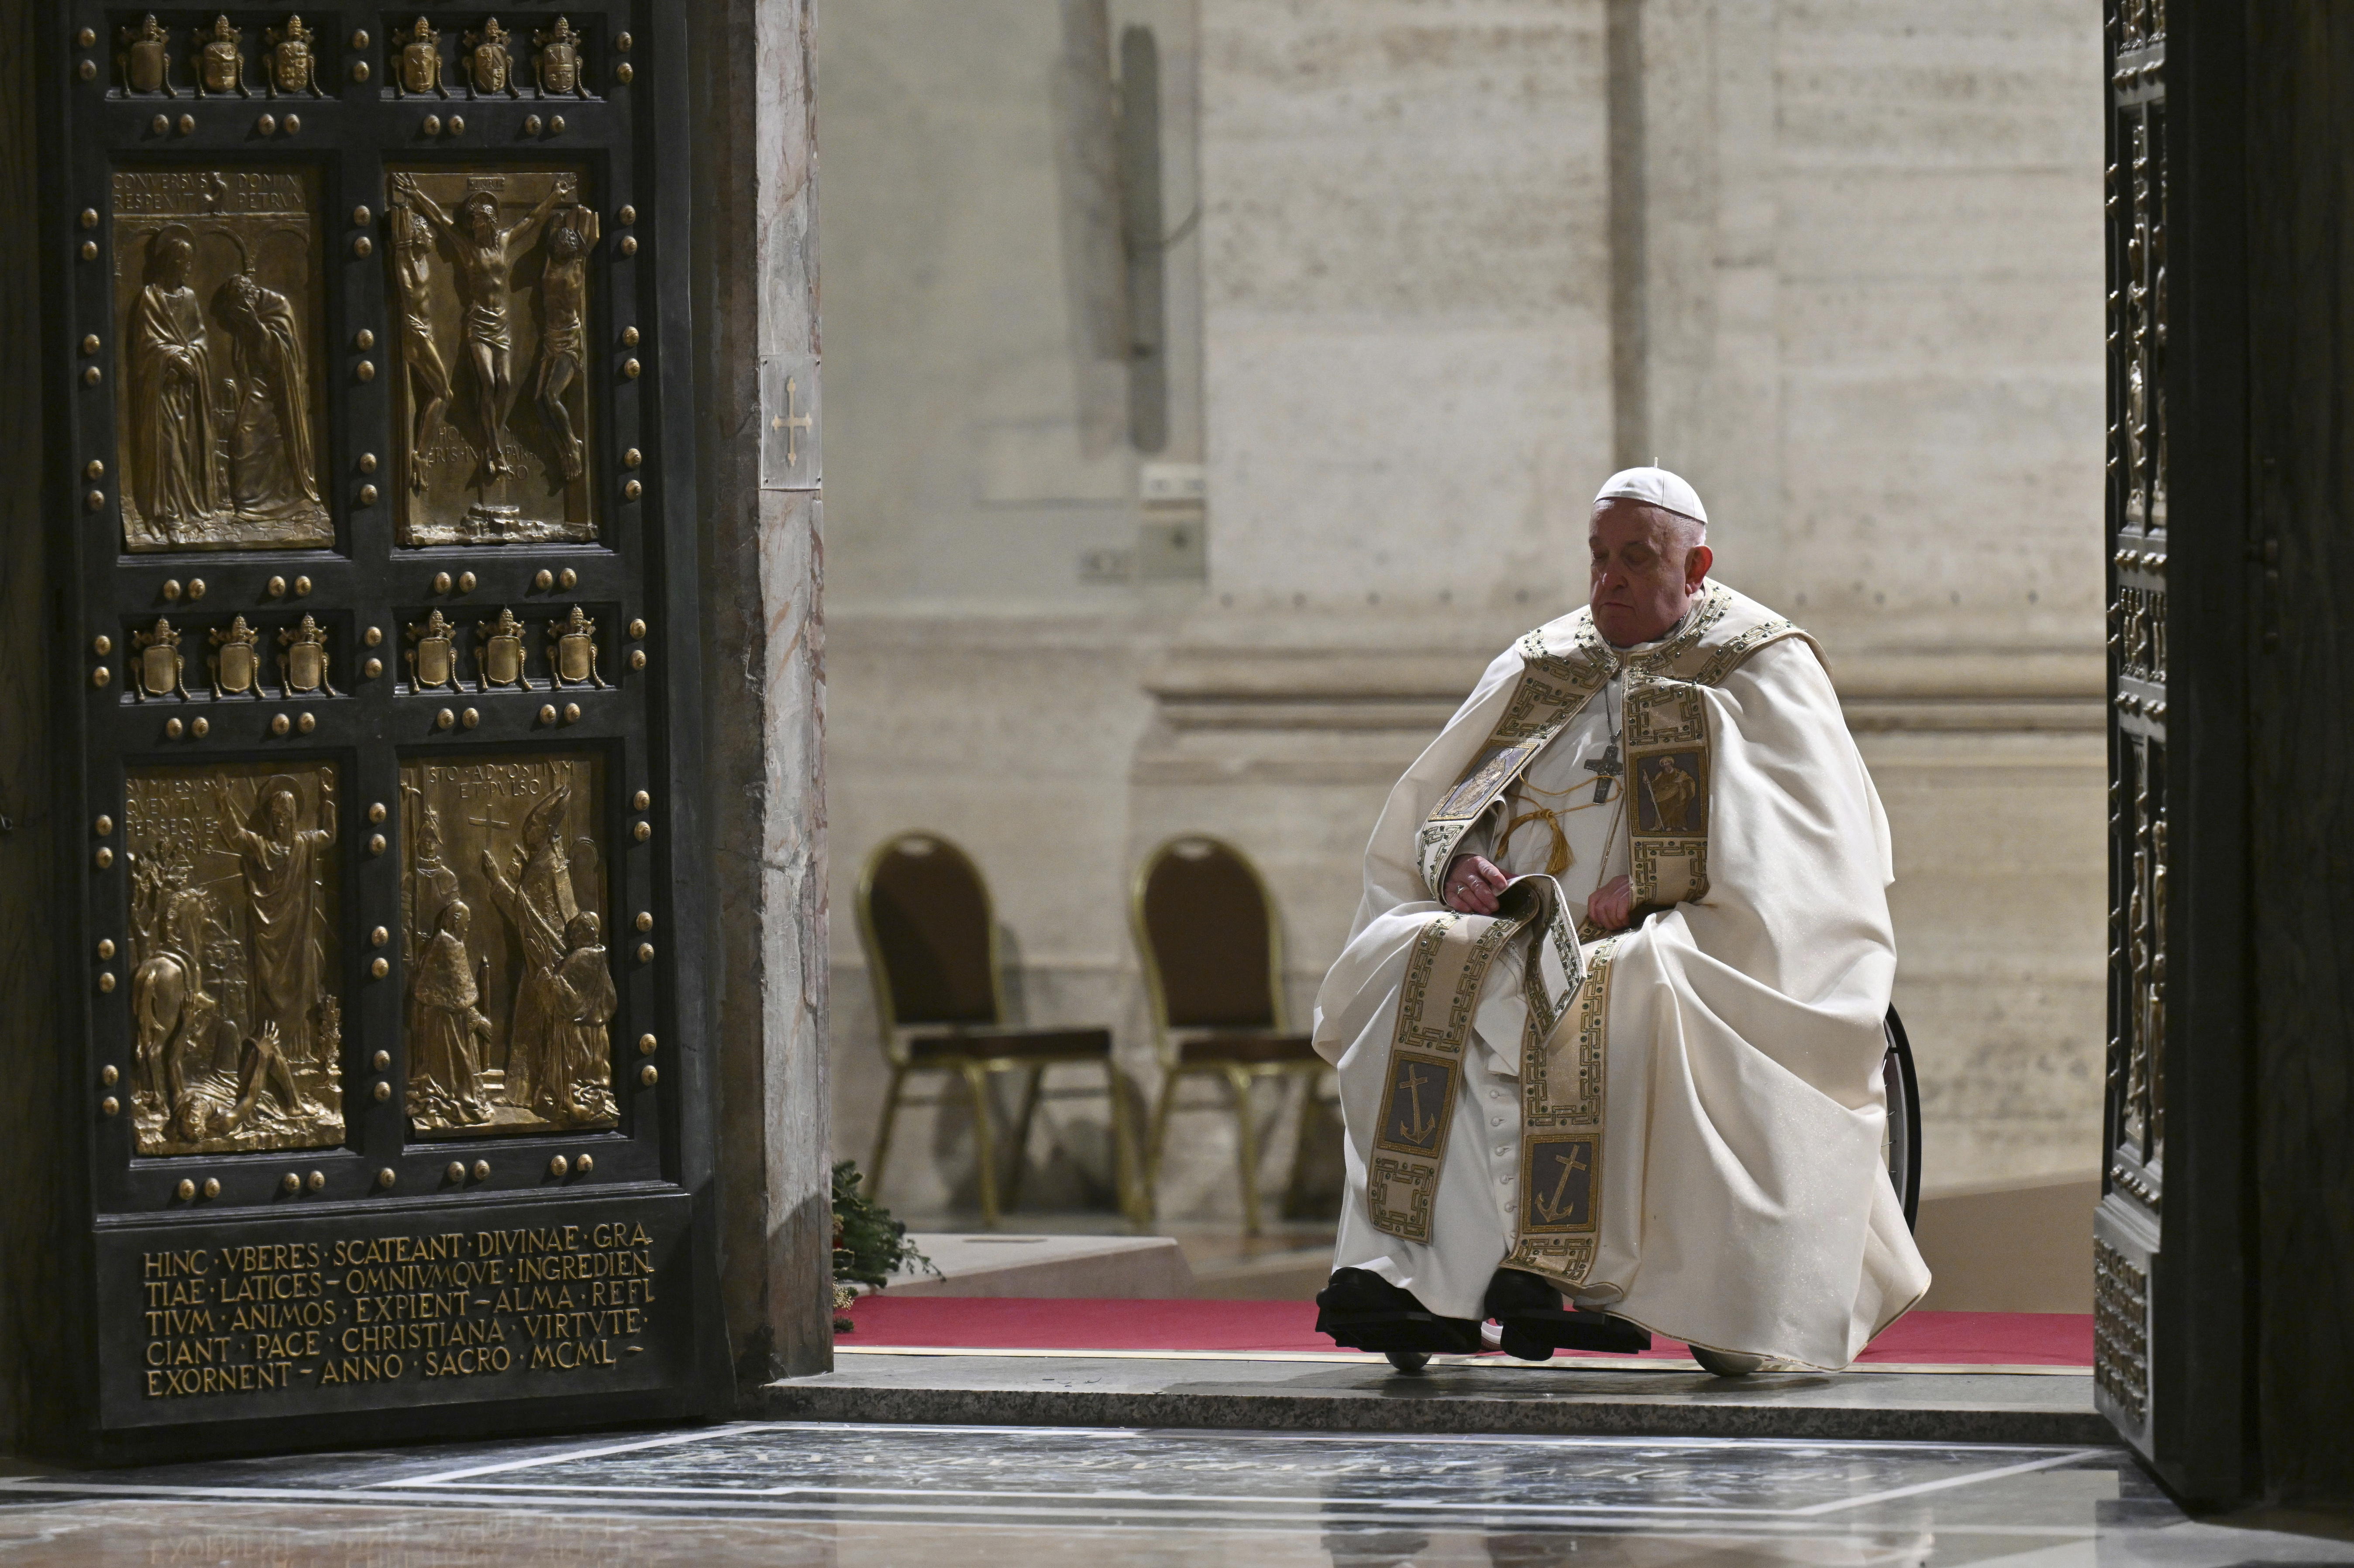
(931, 937)
(1212, 954)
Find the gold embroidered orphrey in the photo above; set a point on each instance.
(1444, 975)
(1565, 1049)
(1561, 1081)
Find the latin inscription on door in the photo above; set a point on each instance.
(216, 294)
(235, 1016)
(280, 1317)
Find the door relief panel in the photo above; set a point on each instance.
(236, 1010)
(511, 995)
(218, 289)
(490, 286)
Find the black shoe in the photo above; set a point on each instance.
(1536, 1323)
(1362, 1312)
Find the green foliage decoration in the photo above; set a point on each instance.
(869, 1246)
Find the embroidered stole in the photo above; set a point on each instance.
(1560, 1132)
(1444, 975)
(1565, 1049)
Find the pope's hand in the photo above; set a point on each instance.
(1471, 884)
(1613, 904)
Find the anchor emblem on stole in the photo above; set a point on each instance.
(1553, 1210)
(1416, 1128)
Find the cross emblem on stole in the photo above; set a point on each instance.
(1604, 769)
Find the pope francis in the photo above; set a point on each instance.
(1608, 1022)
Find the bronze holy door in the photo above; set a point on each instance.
(2127, 1242)
(2224, 1238)
(371, 532)
(2169, 1370)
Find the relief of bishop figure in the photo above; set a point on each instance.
(1609, 1024)
(445, 1026)
(578, 1088)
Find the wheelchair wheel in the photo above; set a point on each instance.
(1903, 1143)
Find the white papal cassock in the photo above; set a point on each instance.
(1690, 1135)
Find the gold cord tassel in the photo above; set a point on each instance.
(1559, 859)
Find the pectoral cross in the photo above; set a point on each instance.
(1550, 1210)
(791, 424)
(1604, 769)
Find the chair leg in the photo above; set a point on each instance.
(1159, 1135)
(1022, 1138)
(976, 1087)
(882, 1134)
(1238, 1081)
(1124, 1178)
(1123, 1145)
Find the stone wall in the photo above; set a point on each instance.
(1840, 264)
(1873, 322)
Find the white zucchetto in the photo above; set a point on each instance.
(1656, 487)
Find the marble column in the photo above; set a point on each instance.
(756, 327)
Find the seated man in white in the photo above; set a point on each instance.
(1608, 1023)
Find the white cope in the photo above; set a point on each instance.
(1746, 1205)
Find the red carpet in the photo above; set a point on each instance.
(886, 1322)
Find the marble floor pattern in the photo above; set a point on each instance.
(833, 1496)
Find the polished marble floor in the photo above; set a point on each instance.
(1288, 1261)
(939, 1497)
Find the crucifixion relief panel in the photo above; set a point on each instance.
(489, 277)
